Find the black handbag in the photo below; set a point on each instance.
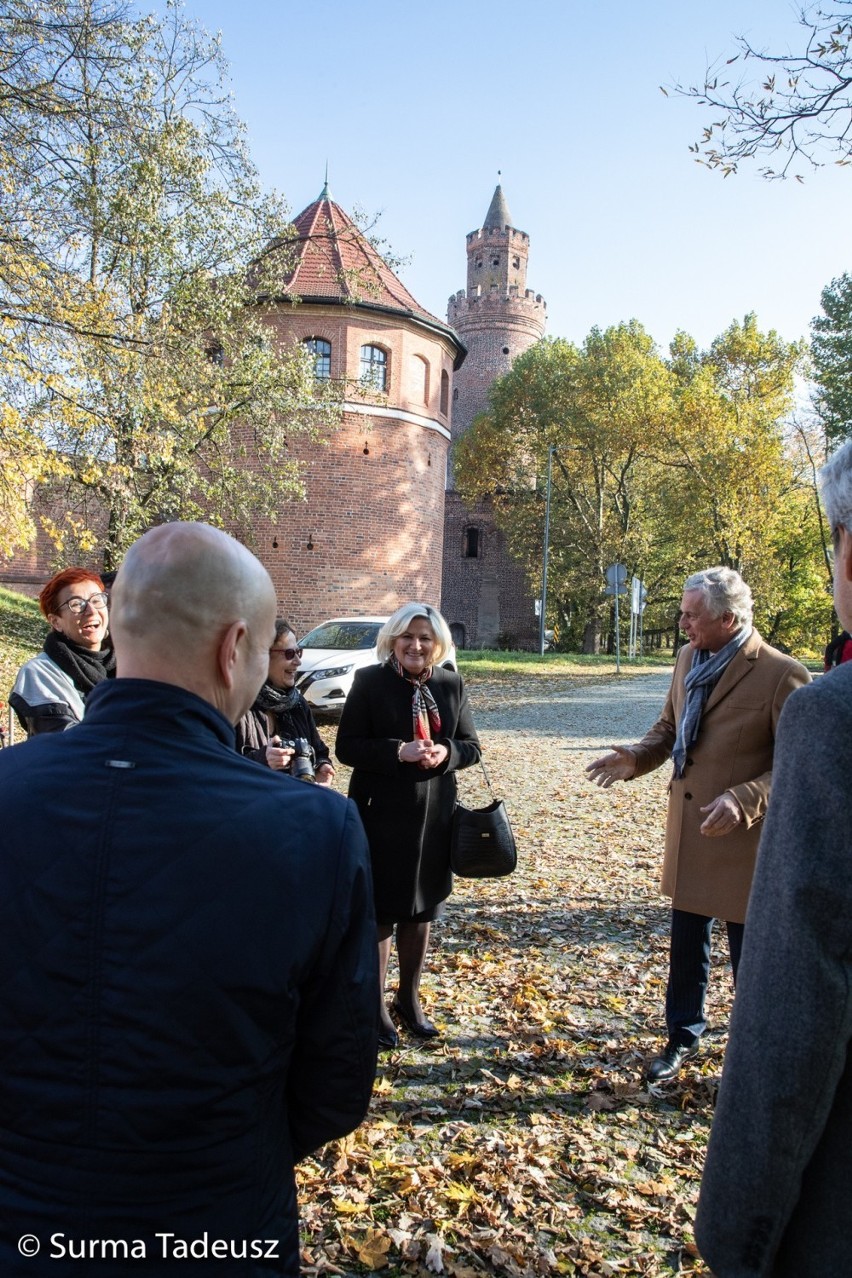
(482, 845)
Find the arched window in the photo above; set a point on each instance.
(445, 392)
(420, 368)
(321, 350)
(472, 543)
(374, 367)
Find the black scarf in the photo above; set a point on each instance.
(276, 700)
(83, 666)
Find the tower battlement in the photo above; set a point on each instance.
(513, 294)
(498, 309)
(492, 234)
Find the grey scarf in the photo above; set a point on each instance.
(706, 670)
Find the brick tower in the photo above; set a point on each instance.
(485, 594)
(368, 535)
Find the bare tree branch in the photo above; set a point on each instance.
(798, 116)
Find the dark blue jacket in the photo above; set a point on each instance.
(188, 989)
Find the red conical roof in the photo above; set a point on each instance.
(336, 263)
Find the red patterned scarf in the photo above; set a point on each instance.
(424, 711)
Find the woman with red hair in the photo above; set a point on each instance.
(50, 690)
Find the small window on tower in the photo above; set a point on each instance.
(478, 264)
(471, 542)
(421, 375)
(374, 367)
(321, 351)
(495, 261)
(516, 262)
(445, 392)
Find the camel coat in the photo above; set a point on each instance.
(736, 739)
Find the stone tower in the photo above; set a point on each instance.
(485, 595)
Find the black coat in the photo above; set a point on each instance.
(407, 810)
(188, 984)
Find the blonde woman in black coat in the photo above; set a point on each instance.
(406, 729)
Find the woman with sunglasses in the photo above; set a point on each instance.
(281, 713)
(50, 691)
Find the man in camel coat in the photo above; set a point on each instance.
(718, 726)
(775, 1198)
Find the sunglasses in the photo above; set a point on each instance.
(289, 653)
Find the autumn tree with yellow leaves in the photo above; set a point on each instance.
(138, 375)
(663, 464)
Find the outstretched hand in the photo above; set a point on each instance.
(618, 765)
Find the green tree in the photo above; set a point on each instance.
(666, 466)
(831, 357)
(599, 406)
(139, 249)
(798, 111)
(727, 440)
(742, 482)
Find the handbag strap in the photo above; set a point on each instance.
(487, 779)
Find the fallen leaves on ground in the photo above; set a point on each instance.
(524, 1142)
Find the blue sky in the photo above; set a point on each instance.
(417, 106)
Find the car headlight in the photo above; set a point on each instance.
(333, 672)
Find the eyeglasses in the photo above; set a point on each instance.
(289, 653)
(78, 604)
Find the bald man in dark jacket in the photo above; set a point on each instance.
(188, 982)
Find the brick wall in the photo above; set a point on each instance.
(368, 536)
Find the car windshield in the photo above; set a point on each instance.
(347, 635)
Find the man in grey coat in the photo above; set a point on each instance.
(776, 1198)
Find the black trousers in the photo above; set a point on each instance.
(689, 973)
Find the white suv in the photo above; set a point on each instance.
(333, 651)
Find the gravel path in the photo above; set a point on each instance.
(619, 709)
(539, 735)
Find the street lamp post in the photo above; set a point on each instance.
(542, 622)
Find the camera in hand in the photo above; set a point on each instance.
(302, 763)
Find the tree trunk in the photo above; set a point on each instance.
(592, 635)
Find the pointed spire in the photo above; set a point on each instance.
(498, 214)
(325, 194)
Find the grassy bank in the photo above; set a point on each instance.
(22, 630)
(489, 664)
